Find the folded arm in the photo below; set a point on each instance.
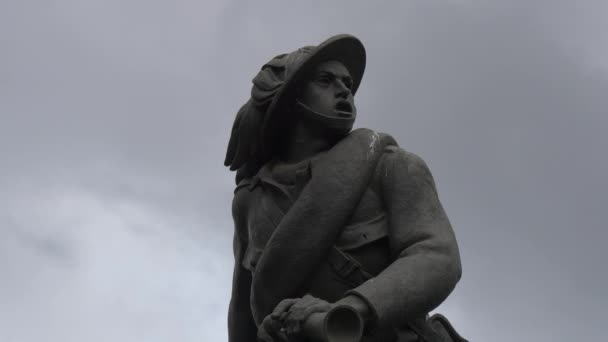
(427, 265)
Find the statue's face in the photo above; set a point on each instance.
(329, 91)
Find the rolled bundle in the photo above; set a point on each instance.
(340, 324)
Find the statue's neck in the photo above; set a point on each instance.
(306, 141)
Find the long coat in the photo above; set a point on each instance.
(396, 249)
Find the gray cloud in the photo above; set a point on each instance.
(115, 115)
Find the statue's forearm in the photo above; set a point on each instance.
(410, 287)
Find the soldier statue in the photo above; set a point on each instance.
(330, 217)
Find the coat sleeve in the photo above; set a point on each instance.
(427, 266)
(241, 327)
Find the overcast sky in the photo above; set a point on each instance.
(115, 220)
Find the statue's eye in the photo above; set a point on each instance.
(324, 80)
(348, 83)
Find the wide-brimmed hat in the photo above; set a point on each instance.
(276, 83)
(274, 89)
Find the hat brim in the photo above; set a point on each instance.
(343, 48)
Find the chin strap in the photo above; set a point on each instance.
(343, 124)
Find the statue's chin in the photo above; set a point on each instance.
(337, 125)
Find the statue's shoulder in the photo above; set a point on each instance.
(372, 135)
(395, 156)
(243, 184)
(399, 163)
(243, 196)
(389, 144)
(398, 152)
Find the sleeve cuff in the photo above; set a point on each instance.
(371, 324)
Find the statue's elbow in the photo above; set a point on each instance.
(454, 268)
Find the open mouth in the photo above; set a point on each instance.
(344, 109)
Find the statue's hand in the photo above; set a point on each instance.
(271, 330)
(286, 322)
(273, 327)
(294, 313)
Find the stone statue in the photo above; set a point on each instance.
(329, 217)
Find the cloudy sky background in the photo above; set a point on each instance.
(115, 219)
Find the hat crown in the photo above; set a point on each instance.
(275, 72)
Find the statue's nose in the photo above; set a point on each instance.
(342, 90)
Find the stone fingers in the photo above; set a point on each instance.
(299, 312)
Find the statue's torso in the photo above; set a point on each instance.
(363, 241)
